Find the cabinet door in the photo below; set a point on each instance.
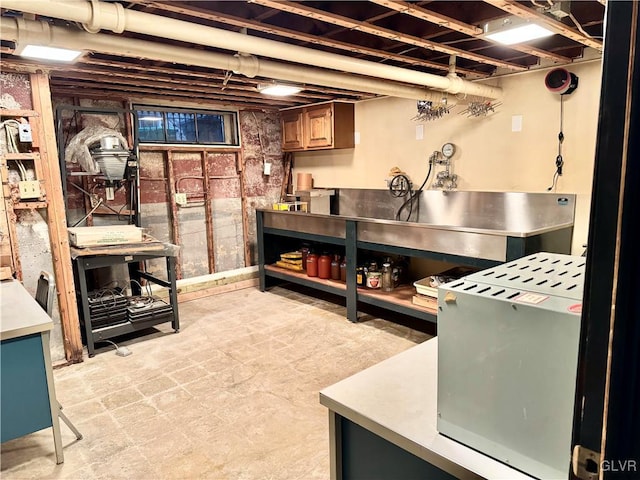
(292, 132)
(318, 127)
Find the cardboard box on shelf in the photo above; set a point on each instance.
(104, 235)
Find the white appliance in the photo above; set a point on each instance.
(507, 357)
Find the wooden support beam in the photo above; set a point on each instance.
(57, 219)
(8, 236)
(243, 202)
(173, 209)
(208, 212)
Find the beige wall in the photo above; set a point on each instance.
(489, 156)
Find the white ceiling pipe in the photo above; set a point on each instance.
(41, 33)
(97, 15)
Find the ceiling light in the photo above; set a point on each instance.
(278, 90)
(512, 30)
(49, 53)
(150, 119)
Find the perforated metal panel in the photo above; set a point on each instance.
(546, 273)
(507, 358)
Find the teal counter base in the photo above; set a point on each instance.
(24, 393)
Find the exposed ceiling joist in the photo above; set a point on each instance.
(558, 27)
(236, 82)
(415, 37)
(306, 11)
(471, 30)
(429, 16)
(182, 9)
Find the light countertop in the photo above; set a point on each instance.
(20, 314)
(396, 400)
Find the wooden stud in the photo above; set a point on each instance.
(8, 240)
(208, 212)
(175, 224)
(56, 219)
(243, 202)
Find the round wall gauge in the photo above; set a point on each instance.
(448, 149)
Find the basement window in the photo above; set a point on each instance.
(191, 127)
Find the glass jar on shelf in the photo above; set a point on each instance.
(387, 277)
(312, 264)
(335, 267)
(361, 279)
(324, 266)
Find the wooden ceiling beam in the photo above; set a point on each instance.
(560, 28)
(306, 11)
(246, 83)
(185, 87)
(149, 97)
(238, 82)
(303, 37)
(471, 30)
(132, 90)
(430, 16)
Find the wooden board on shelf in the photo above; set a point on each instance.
(303, 275)
(401, 295)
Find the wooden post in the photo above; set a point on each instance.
(56, 219)
(243, 202)
(208, 213)
(175, 224)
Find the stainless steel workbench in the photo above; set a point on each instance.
(479, 229)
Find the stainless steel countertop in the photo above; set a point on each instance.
(397, 400)
(430, 226)
(21, 315)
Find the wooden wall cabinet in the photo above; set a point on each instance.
(318, 127)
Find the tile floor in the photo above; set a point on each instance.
(234, 395)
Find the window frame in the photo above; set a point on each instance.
(230, 130)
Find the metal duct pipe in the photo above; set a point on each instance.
(95, 15)
(41, 33)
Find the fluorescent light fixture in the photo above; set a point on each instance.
(512, 30)
(278, 90)
(150, 119)
(41, 52)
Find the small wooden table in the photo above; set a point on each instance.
(27, 393)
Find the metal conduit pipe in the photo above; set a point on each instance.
(24, 31)
(111, 16)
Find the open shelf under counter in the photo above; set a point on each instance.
(330, 286)
(400, 299)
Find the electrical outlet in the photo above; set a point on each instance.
(181, 198)
(29, 189)
(24, 133)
